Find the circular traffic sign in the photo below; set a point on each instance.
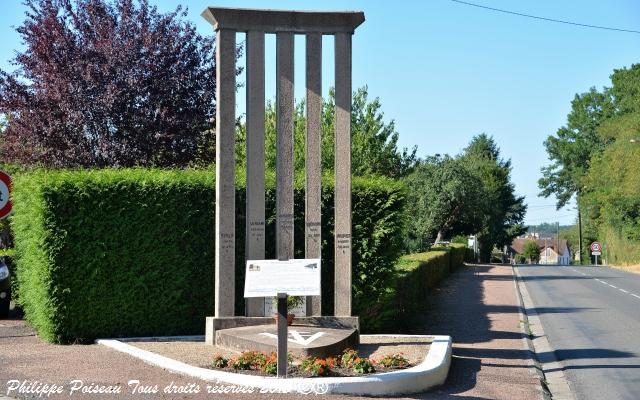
(5, 194)
(595, 246)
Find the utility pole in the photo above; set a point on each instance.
(579, 228)
(558, 242)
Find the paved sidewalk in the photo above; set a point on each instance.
(477, 306)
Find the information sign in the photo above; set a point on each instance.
(297, 277)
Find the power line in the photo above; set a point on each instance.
(545, 19)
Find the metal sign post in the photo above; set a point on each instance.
(596, 250)
(282, 278)
(282, 335)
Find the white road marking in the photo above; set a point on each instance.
(297, 337)
(608, 284)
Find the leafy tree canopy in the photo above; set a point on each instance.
(107, 83)
(574, 144)
(444, 198)
(502, 211)
(531, 251)
(374, 142)
(471, 193)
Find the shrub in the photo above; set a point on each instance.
(416, 274)
(109, 253)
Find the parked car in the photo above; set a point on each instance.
(5, 288)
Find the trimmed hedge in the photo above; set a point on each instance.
(107, 253)
(416, 274)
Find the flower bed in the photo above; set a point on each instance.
(349, 363)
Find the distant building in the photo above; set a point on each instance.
(549, 253)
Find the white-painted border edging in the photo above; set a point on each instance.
(429, 373)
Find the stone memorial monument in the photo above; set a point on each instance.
(285, 25)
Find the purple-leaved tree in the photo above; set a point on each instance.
(108, 83)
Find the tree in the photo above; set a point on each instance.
(374, 143)
(578, 142)
(502, 211)
(574, 144)
(531, 251)
(107, 83)
(625, 89)
(443, 198)
(612, 196)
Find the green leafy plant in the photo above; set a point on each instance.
(363, 366)
(220, 361)
(348, 357)
(292, 301)
(270, 365)
(318, 366)
(248, 360)
(394, 360)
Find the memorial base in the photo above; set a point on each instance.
(215, 324)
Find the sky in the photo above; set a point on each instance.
(446, 71)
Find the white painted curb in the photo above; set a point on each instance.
(429, 373)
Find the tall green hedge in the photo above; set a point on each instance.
(416, 274)
(130, 252)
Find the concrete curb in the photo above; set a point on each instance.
(548, 366)
(431, 372)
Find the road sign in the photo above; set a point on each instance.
(596, 250)
(5, 195)
(297, 277)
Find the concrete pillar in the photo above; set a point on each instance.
(342, 212)
(313, 168)
(225, 173)
(254, 242)
(284, 144)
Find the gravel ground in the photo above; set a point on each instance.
(476, 305)
(200, 355)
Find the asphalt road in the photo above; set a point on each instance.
(591, 316)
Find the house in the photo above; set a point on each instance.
(549, 253)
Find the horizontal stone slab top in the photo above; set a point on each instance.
(272, 21)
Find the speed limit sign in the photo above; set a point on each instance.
(5, 193)
(596, 248)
